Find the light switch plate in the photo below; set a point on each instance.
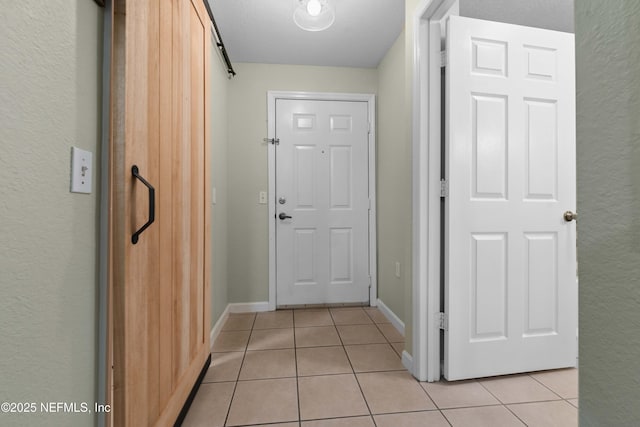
(81, 170)
(262, 198)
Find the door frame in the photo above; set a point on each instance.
(272, 97)
(426, 154)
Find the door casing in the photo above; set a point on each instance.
(426, 155)
(272, 96)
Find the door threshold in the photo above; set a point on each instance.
(331, 305)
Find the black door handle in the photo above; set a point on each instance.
(152, 204)
(283, 216)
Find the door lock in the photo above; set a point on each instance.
(283, 216)
(282, 200)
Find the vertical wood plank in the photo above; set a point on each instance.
(136, 256)
(197, 178)
(207, 180)
(151, 281)
(165, 215)
(180, 197)
(117, 330)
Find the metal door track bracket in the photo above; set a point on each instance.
(273, 141)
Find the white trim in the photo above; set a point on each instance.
(271, 160)
(407, 361)
(395, 320)
(248, 307)
(426, 187)
(215, 331)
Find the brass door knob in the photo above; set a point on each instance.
(570, 216)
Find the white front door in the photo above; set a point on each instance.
(322, 202)
(510, 272)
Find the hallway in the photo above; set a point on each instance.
(342, 367)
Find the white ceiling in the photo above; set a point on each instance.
(263, 31)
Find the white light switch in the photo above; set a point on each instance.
(397, 269)
(262, 199)
(81, 170)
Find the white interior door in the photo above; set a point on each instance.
(510, 272)
(322, 202)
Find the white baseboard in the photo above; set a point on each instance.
(215, 331)
(248, 307)
(407, 361)
(395, 320)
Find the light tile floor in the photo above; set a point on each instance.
(341, 367)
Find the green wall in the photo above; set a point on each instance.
(393, 182)
(50, 62)
(551, 14)
(248, 232)
(608, 152)
(219, 225)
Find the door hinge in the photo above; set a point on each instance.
(272, 141)
(444, 188)
(443, 59)
(369, 204)
(443, 322)
(369, 127)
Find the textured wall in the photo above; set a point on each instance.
(550, 14)
(248, 233)
(608, 149)
(219, 88)
(393, 182)
(50, 65)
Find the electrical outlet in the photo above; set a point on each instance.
(397, 269)
(262, 198)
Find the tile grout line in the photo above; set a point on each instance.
(235, 384)
(437, 408)
(389, 343)
(295, 361)
(504, 405)
(514, 414)
(353, 371)
(545, 386)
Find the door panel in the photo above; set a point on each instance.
(489, 147)
(322, 175)
(489, 286)
(541, 149)
(160, 302)
(541, 275)
(510, 269)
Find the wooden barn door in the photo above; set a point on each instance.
(159, 170)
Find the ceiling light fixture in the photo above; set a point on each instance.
(314, 15)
